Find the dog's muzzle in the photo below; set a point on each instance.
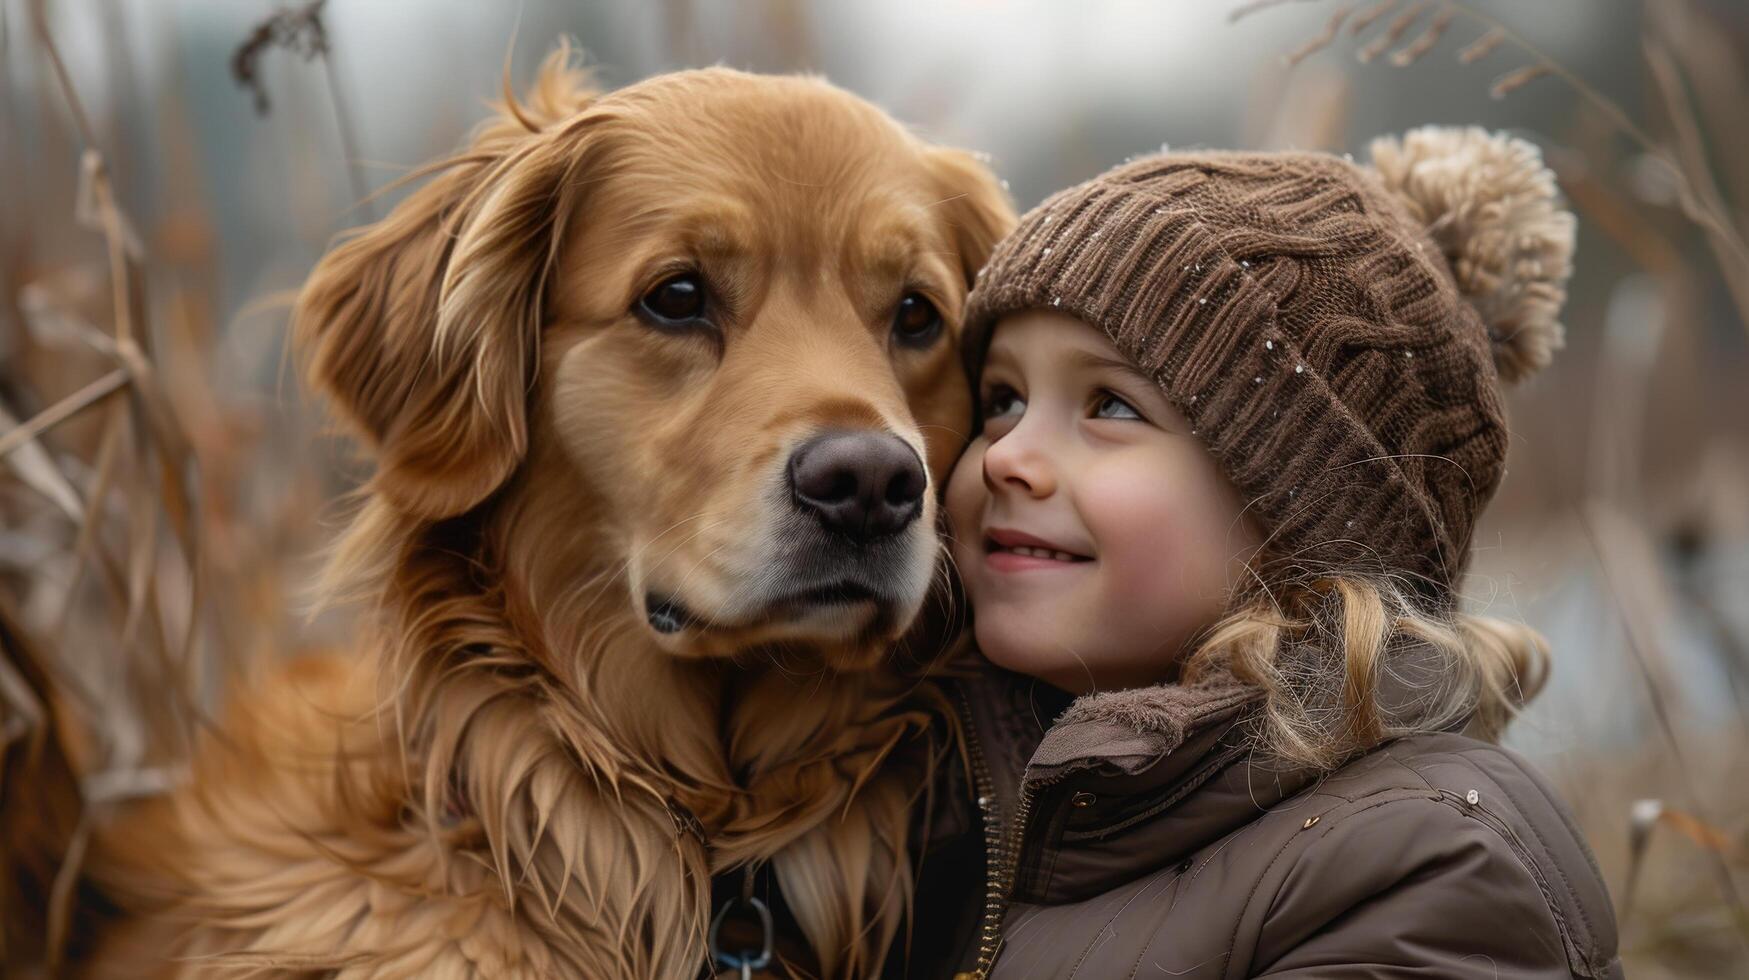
(846, 550)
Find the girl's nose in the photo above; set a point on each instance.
(1017, 462)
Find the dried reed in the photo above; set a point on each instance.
(1697, 191)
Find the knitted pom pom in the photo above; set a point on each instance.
(1493, 208)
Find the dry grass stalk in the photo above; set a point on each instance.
(296, 29)
(1733, 253)
(1697, 188)
(1412, 52)
(1612, 536)
(1707, 210)
(147, 460)
(1516, 79)
(1245, 10)
(1647, 815)
(302, 31)
(34, 468)
(60, 910)
(1703, 834)
(1365, 18)
(1481, 47)
(1393, 32)
(1320, 42)
(1708, 46)
(39, 786)
(92, 394)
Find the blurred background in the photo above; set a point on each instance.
(170, 170)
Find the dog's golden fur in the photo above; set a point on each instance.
(500, 785)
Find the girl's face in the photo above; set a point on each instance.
(1094, 533)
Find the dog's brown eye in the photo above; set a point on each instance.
(917, 322)
(675, 301)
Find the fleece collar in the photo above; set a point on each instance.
(1147, 737)
(1132, 731)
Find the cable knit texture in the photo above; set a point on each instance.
(1309, 327)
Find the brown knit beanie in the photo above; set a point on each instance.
(1335, 333)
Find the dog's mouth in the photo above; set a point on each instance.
(803, 587)
(668, 614)
(832, 594)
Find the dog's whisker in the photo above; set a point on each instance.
(617, 573)
(680, 587)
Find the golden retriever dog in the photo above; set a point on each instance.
(659, 385)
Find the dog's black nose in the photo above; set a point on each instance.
(863, 485)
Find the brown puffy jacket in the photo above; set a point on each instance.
(1155, 845)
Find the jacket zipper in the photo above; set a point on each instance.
(1002, 851)
(990, 927)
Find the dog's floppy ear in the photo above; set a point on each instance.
(422, 328)
(974, 205)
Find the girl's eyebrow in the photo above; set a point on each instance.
(996, 357)
(1095, 360)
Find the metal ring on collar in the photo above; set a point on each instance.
(747, 960)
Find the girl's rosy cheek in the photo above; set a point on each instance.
(1163, 523)
(1139, 533)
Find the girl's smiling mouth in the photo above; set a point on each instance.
(1007, 550)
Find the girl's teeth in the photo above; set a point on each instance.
(1031, 552)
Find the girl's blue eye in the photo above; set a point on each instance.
(1109, 406)
(1001, 401)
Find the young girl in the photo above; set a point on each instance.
(1240, 412)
